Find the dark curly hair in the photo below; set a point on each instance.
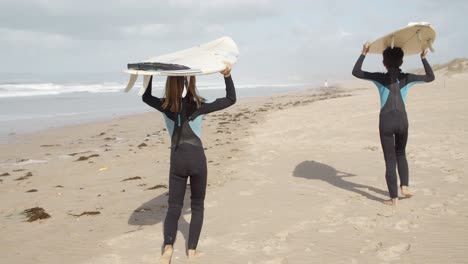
(393, 58)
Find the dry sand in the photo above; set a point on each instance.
(296, 178)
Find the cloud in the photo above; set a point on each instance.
(277, 39)
(22, 38)
(104, 19)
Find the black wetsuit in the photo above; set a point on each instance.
(187, 159)
(393, 123)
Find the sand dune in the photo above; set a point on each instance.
(458, 66)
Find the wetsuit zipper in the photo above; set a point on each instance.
(395, 95)
(179, 127)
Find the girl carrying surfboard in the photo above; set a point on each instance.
(183, 117)
(393, 122)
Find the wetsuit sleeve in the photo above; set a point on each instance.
(359, 73)
(428, 77)
(151, 100)
(219, 103)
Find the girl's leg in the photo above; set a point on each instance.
(177, 186)
(400, 145)
(198, 181)
(388, 145)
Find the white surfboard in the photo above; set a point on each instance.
(200, 60)
(413, 39)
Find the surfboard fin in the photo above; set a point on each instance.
(146, 80)
(429, 44)
(131, 82)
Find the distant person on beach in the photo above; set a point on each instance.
(393, 125)
(184, 117)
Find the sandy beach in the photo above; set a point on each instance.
(293, 178)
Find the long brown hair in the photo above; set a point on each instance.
(174, 90)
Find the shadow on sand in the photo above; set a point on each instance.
(318, 171)
(154, 212)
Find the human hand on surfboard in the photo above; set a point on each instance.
(365, 48)
(423, 54)
(226, 72)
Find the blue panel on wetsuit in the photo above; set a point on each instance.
(196, 125)
(383, 91)
(404, 90)
(169, 125)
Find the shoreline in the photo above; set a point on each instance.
(83, 118)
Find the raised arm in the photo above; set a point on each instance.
(428, 77)
(219, 103)
(357, 70)
(151, 100)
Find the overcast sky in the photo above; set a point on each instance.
(281, 41)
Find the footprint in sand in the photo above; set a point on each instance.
(451, 178)
(246, 193)
(434, 206)
(275, 244)
(393, 252)
(207, 241)
(405, 225)
(300, 226)
(427, 192)
(276, 261)
(105, 259)
(241, 246)
(362, 223)
(128, 240)
(372, 246)
(326, 230)
(447, 170)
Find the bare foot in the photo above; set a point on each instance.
(392, 202)
(406, 192)
(166, 256)
(194, 254)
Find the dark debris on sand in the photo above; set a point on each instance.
(159, 186)
(5, 174)
(132, 178)
(35, 213)
(82, 158)
(50, 145)
(28, 175)
(76, 153)
(86, 213)
(142, 145)
(32, 190)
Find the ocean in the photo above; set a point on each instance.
(31, 107)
